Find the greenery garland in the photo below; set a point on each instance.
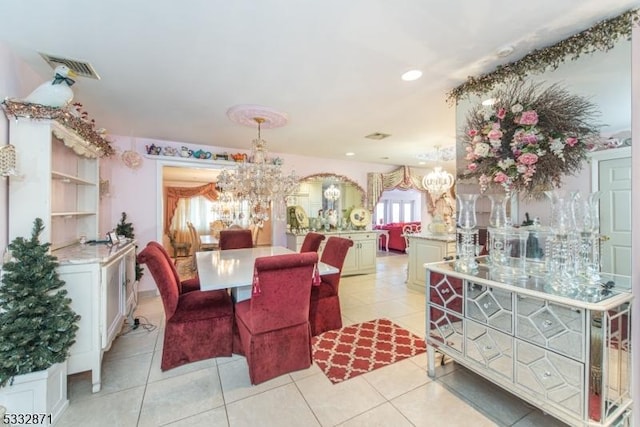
(601, 37)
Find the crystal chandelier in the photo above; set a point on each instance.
(259, 181)
(332, 194)
(438, 181)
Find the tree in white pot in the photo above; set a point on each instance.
(37, 324)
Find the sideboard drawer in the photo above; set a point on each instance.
(490, 306)
(550, 325)
(550, 376)
(490, 348)
(446, 292)
(446, 329)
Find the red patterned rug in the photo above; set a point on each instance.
(356, 349)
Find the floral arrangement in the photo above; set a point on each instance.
(600, 37)
(528, 138)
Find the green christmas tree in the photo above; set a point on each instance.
(37, 324)
(125, 229)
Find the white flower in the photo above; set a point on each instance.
(504, 164)
(517, 108)
(482, 149)
(522, 168)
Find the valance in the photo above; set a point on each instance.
(173, 194)
(402, 178)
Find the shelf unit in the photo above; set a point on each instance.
(58, 182)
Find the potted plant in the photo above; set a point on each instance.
(37, 328)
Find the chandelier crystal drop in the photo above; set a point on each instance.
(259, 181)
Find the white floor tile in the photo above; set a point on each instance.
(279, 407)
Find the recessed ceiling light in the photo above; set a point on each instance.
(378, 135)
(411, 75)
(422, 163)
(505, 51)
(350, 153)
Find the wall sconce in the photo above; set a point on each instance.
(8, 160)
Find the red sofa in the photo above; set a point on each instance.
(396, 241)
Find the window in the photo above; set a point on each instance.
(398, 206)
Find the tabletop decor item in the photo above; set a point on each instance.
(528, 138)
(467, 233)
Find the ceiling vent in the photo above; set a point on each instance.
(378, 136)
(82, 69)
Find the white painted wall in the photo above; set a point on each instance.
(16, 80)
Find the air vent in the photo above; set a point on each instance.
(82, 69)
(378, 136)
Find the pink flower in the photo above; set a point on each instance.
(528, 159)
(571, 141)
(472, 166)
(501, 113)
(529, 117)
(500, 178)
(494, 135)
(472, 132)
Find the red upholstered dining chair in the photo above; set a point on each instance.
(274, 324)
(187, 285)
(311, 242)
(324, 309)
(235, 239)
(199, 325)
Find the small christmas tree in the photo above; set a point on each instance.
(37, 324)
(125, 229)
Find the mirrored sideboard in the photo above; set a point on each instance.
(569, 354)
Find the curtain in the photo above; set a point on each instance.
(174, 194)
(403, 178)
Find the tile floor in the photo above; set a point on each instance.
(217, 392)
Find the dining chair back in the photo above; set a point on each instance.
(312, 242)
(235, 239)
(274, 324)
(198, 325)
(324, 309)
(187, 285)
(196, 243)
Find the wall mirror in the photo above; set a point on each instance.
(605, 79)
(327, 194)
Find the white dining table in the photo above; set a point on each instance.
(233, 268)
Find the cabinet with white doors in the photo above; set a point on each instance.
(567, 351)
(100, 280)
(361, 257)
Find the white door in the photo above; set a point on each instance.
(614, 181)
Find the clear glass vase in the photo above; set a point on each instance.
(587, 221)
(498, 245)
(562, 246)
(467, 233)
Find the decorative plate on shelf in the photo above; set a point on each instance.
(360, 217)
(301, 216)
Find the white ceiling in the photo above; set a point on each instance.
(170, 70)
